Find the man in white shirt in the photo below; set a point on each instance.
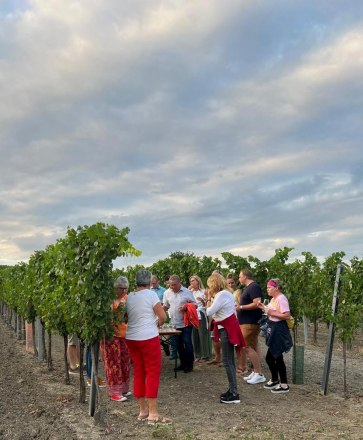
(175, 299)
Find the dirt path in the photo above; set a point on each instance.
(35, 404)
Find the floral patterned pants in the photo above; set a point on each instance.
(116, 361)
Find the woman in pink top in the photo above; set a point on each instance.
(278, 337)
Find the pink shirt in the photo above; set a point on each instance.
(282, 306)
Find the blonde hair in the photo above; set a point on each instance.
(200, 282)
(237, 295)
(216, 282)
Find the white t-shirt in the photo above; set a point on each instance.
(141, 316)
(201, 306)
(223, 306)
(176, 299)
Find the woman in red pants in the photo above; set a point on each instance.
(145, 314)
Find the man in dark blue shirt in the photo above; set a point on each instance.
(248, 316)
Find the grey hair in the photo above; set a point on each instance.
(174, 278)
(122, 282)
(143, 277)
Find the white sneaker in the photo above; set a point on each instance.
(257, 378)
(250, 376)
(127, 394)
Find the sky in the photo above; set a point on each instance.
(203, 126)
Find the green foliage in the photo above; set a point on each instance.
(185, 265)
(235, 263)
(69, 285)
(129, 273)
(349, 317)
(90, 251)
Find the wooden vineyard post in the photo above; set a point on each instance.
(29, 344)
(331, 333)
(41, 335)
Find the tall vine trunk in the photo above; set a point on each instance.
(82, 385)
(345, 370)
(19, 328)
(315, 336)
(43, 341)
(49, 356)
(23, 323)
(34, 341)
(94, 392)
(67, 379)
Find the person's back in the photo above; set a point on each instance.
(141, 317)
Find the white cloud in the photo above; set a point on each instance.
(204, 127)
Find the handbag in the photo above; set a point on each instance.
(263, 322)
(291, 322)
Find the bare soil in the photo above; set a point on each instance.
(36, 404)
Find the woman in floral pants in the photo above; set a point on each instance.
(115, 354)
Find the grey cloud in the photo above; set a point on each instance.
(201, 127)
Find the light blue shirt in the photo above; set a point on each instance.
(174, 300)
(159, 291)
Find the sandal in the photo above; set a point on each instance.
(160, 420)
(142, 417)
(213, 362)
(242, 371)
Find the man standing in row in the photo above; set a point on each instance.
(248, 316)
(155, 287)
(175, 299)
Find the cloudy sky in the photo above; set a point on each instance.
(204, 126)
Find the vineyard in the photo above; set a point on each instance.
(68, 287)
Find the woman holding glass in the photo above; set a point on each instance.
(200, 335)
(278, 339)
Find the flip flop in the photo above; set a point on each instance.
(142, 417)
(242, 371)
(160, 420)
(213, 362)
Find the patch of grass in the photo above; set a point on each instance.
(165, 432)
(188, 436)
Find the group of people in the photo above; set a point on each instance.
(239, 315)
(222, 313)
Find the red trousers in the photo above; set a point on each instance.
(146, 358)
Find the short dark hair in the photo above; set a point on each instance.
(247, 273)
